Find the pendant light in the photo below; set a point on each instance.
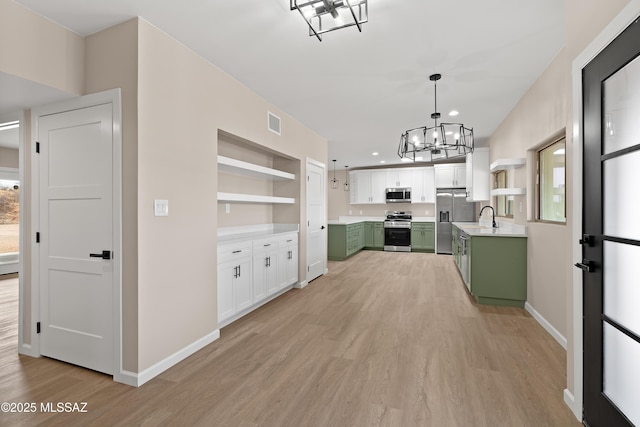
(346, 179)
(334, 181)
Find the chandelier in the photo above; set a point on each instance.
(323, 16)
(439, 142)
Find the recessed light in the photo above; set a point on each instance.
(375, 153)
(453, 113)
(382, 161)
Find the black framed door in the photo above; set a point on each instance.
(611, 239)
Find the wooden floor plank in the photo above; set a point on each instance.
(383, 339)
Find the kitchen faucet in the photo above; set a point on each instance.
(493, 215)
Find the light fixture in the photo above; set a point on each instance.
(346, 179)
(9, 125)
(375, 153)
(323, 16)
(334, 181)
(441, 141)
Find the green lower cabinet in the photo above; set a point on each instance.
(498, 270)
(374, 235)
(423, 237)
(345, 240)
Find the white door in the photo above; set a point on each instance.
(316, 224)
(76, 226)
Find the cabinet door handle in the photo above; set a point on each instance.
(235, 272)
(239, 271)
(237, 252)
(268, 244)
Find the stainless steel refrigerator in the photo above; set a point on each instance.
(452, 206)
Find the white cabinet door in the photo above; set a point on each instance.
(398, 178)
(242, 286)
(378, 187)
(423, 185)
(451, 176)
(417, 186)
(259, 278)
(265, 267)
(478, 176)
(226, 276)
(362, 188)
(287, 266)
(429, 185)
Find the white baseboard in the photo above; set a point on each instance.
(301, 285)
(27, 350)
(136, 380)
(546, 325)
(570, 401)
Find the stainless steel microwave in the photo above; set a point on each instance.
(398, 195)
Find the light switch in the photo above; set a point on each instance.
(161, 207)
(227, 207)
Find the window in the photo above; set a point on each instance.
(550, 183)
(503, 204)
(9, 215)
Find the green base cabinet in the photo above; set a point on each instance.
(498, 270)
(423, 237)
(345, 240)
(374, 235)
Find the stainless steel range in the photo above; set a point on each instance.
(397, 231)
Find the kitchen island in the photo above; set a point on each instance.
(492, 262)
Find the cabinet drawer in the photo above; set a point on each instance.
(287, 240)
(265, 244)
(233, 251)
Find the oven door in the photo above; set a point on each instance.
(397, 239)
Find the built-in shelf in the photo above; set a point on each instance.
(504, 164)
(229, 165)
(508, 191)
(253, 198)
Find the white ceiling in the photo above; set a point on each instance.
(358, 90)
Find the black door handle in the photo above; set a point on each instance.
(322, 227)
(587, 239)
(585, 265)
(103, 255)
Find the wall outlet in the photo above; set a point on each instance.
(350, 211)
(361, 212)
(227, 207)
(426, 212)
(520, 207)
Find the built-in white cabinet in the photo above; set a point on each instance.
(265, 267)
(398, 178)
(287, 260)
(451, 175)
(478, 179)
(367, 187)
(253, 271)
(423, 185)
(234, 279)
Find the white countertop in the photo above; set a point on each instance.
(503, 230)
(250, 232)
(346, 220)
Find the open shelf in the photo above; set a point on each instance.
(508, 191)
(253, 198)
(229, 165)
(504, 164)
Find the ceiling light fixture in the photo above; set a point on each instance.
(334, 181)
(436, 142)
(346, 178)
(323, 16)
(9, 125)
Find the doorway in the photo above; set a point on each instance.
(75, 216)
(10, 136)
(316, 220)
(611, 234)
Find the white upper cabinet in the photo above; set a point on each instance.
(451, 175)
(398, 178)
(423, 185)
(477, 175)
(367, 187)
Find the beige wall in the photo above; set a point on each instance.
(183, 102)
(8, 157)
(37, 49)
(542, 114)
(112, 62)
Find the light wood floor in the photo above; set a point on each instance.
(384, 339)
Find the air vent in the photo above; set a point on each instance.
(273, 123)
